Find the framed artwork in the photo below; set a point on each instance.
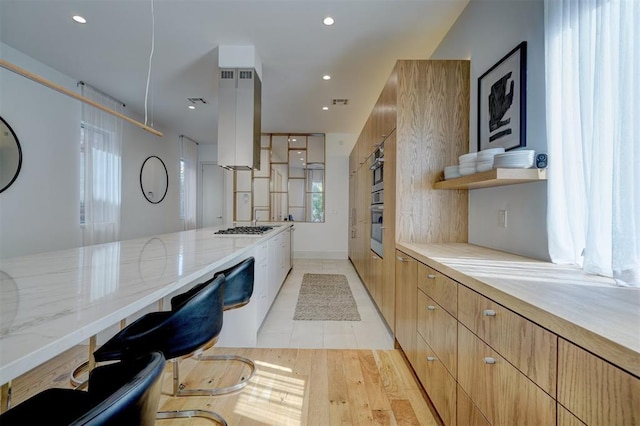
(502, 99)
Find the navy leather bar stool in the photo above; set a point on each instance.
(193, 323)
(238, 290)
(125, 393)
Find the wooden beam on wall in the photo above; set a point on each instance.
(34, 77)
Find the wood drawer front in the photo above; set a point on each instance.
(439, 384)
(440, 330)
(565, 418)
(503, 394)
(468, 413)
(531, 348)
(439, 287)
(595, 391)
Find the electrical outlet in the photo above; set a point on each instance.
(502, 218)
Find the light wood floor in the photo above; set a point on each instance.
(291, 387)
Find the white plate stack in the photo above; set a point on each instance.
(452, 172)
(521, 159)
(468, 163)
(486, 157)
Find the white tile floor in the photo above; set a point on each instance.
(279, 330)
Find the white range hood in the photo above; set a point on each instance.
(239, 108)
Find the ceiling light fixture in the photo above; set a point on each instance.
(325, 108)
(328, 21)
(191, 107)
(79, 19)
(326, 77)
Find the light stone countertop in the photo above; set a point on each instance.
(52, 301)
(588, 310)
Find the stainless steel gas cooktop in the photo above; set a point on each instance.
(245, 230)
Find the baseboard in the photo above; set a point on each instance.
(332, 255)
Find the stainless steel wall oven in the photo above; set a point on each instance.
(377, 201)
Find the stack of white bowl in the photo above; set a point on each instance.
(520, 159)
(485, 158)
(468, 163)
(452, 172)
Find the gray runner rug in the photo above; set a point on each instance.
(326, 297)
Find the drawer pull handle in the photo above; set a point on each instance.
(431, 308)
(489, 360)
(431, 358)
(489, 313)
(431, 276)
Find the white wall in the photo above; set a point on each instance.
(40, 211)
(486, 31)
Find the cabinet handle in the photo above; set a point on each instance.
(431, 308)
(402, 259)
(431, 276)
(431, 358)
(489, 360)
(489, 313)
(374, 257)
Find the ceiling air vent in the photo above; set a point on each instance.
(197, 100)
(245, 75)
(226, 74)
(343, 102)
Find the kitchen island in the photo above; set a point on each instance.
(50, 302)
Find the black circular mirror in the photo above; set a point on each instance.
(154, 179)
(10, 155)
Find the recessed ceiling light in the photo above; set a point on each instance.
(325, 108)
(299, 152)
(192, 107)
(328, 21)
(79, 19)
(294, 139)
(326, 77)
(302, 159)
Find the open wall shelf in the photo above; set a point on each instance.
(494, 177)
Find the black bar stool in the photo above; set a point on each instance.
(193, 323)
(125, 393)
(238, 290)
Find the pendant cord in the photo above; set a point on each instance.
(153, 42)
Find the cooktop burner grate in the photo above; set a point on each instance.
(245, 230)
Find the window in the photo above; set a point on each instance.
(289, 184)
(592, 61)
(100, 170)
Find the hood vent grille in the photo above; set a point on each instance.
(227, 74)
(245, 75)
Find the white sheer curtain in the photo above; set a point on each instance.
(593, 121)
(189, 182)
(101, 152)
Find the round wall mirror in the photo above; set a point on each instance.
(154, 179)
(10, 155)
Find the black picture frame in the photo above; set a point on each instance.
(502, 102)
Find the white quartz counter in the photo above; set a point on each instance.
(585, 309)
(50, 302)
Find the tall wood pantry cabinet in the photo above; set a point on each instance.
(422, 117)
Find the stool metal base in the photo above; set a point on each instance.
(187, 414)
(73, 377)
(178, 390)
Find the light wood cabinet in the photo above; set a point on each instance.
(375, 278)
(440, 330)
(595, 391)
(437, 382)
(467, 413)
(503, 394)
(406, 304)
(524, 344)
(422, 116)
(388, 286)
(438, 286)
